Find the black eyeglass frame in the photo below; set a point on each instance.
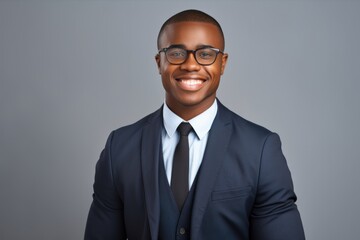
(217, 51)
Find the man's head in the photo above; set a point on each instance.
(191, 16)
(190, 61)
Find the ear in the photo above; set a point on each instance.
(157, 59)
(223, 62)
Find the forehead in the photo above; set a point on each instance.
(191, 35)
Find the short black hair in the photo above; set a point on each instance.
(191, 15)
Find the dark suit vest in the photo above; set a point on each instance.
(173, 223)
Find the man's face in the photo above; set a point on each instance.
(190, 87)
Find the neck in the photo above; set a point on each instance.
(188, 112)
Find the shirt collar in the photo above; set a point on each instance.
(201, 123)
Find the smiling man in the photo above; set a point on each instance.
(191, 65)
(193, 169)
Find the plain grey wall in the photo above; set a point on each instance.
(71, 71)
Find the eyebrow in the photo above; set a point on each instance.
(183, 46)
(176, 46)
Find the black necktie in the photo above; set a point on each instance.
(180, 169)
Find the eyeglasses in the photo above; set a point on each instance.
(203, 56)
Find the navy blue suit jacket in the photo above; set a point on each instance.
(244, 187)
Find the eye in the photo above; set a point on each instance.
(206, 53)
(176, 53)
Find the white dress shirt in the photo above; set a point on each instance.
(197, 138)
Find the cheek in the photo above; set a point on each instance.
(162, 65)
(166, 71)
(166, 74)
(215, 71)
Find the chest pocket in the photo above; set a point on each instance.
(230, 194)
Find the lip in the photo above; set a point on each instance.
(190, 82)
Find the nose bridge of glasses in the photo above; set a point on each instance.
(193, 53)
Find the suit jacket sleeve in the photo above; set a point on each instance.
(275, 215)
(105, 219)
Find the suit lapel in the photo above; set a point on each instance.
(215, 152)
(150, 149)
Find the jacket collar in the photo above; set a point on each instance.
(150, 155)
(215, 152)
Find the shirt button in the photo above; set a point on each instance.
(182, 231)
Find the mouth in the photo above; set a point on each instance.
(192, 83)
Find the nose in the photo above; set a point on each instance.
(190, 63)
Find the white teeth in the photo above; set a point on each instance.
(192, 82)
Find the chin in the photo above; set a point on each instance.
(196, 101)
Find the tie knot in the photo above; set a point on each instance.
(184, 128)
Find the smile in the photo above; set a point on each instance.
(190, 84)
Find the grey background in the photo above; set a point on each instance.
(71, 71)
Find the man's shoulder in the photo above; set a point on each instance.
(136, 127)
(243, 125)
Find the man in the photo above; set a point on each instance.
(234, 182)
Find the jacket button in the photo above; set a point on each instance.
(182, 231)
